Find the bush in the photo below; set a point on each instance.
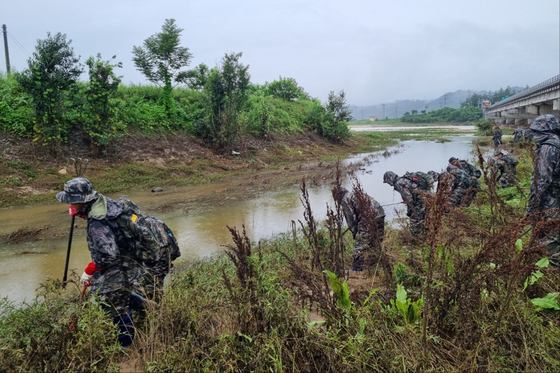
(485, 126)
(16, 115)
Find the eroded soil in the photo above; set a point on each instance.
(31, 173)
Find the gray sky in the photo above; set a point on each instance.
(376, 51)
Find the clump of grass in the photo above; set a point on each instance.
(24, 234)
(55, 334)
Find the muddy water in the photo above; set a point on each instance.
(199, 215)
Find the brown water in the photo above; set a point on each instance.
(199, 215)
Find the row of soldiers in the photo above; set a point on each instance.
(543, 205)
(461, 179)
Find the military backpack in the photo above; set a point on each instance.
(422, 179)
(150, 240)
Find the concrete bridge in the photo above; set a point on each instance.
(523, 107)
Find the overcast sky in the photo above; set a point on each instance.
(377, 51)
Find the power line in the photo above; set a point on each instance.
(18, 44)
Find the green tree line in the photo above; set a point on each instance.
(475, 99)
(48, 101)
(443, 115)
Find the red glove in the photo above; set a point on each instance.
(88, 273)
(91, 269)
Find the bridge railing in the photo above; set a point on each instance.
(547, 84)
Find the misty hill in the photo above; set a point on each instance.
(397, 108)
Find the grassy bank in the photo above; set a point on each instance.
(468, 297)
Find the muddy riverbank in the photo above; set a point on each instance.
(30, 175)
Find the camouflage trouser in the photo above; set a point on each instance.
(363, 246)
(505, 180)
(417, 216)
(470, 194)
(360, 245)
(417, 226)
(457, 195)
(154, 277)
(113, 289)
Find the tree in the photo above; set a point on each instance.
(226, 94)
(336, 118)
(52, 72)
(285, 89)
(102, 123)
(162, 58)
(196, 78)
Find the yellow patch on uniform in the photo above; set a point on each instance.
(134, 217)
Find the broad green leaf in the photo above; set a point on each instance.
(547, 302)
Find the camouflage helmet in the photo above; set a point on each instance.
(453, 159)
(390, 177)
(545, 123)
(78, 190)
(434, 174)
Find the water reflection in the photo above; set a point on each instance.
(200, 215)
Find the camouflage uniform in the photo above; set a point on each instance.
(115, 276)
(460, 185)
(497, 137)
(465, 187)
(414, 199)
(544, 197)
(363, 238)
(505, 167)
(518, 135)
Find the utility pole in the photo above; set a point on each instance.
(395, 112)
(383, 110)
(6, 49)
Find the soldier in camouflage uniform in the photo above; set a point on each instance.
(464, 187)
(505, 166)
(110, 274)
(517, 135)
(460, 184)
(364, 239)
(544, 197)
(497, 136)
(413, 197)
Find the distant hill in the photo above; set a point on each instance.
(397, 108)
